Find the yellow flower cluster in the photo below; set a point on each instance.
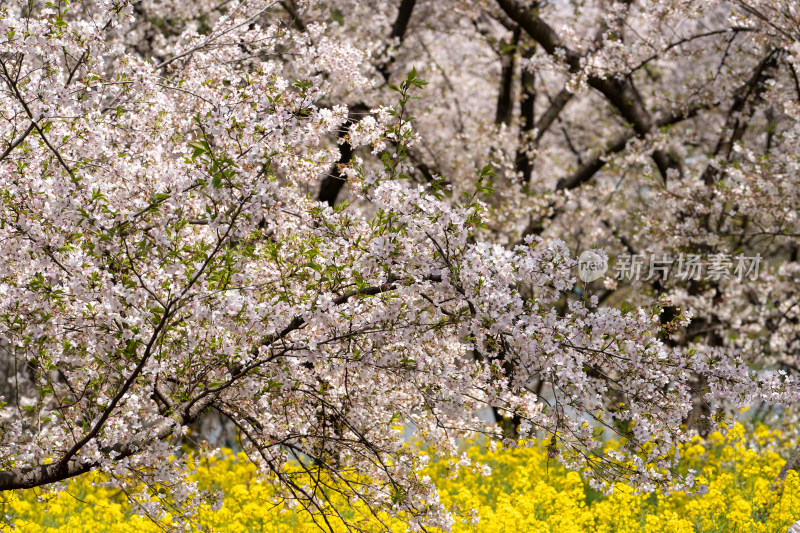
(742, 495)
(525, 492)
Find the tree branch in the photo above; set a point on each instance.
(619, 91)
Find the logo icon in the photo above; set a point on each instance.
(591, 266)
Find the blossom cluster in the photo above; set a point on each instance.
(184, 233)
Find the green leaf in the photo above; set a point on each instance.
(337, 15)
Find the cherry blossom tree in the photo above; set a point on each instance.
(229, 208)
